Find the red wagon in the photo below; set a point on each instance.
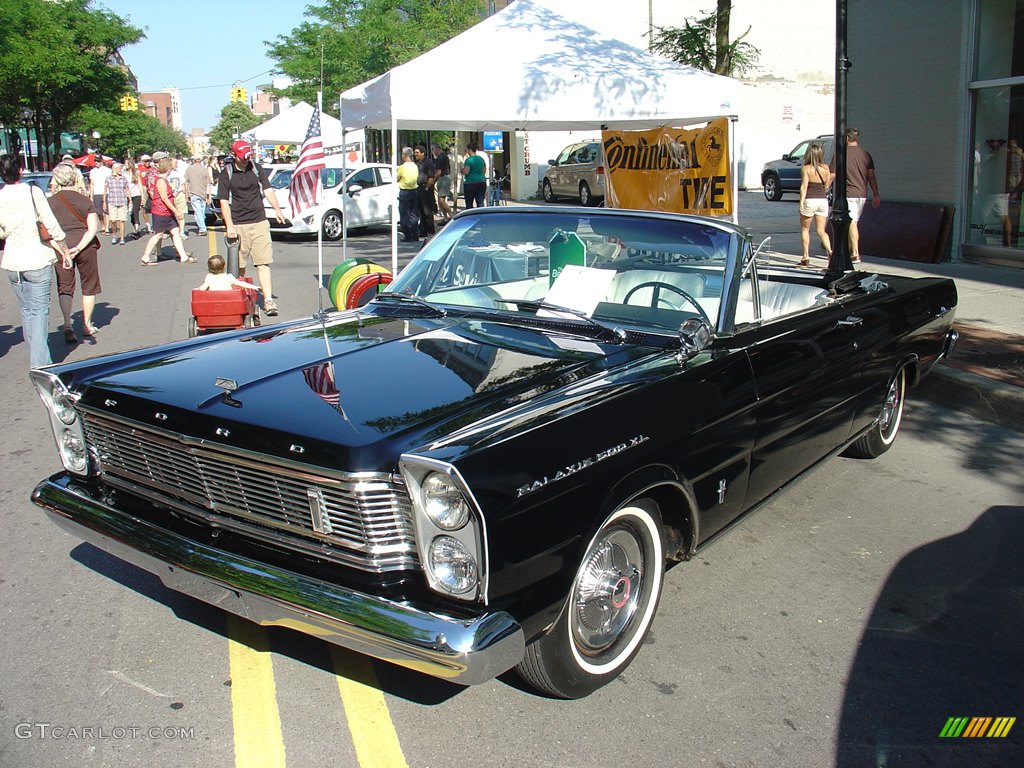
(223, 310)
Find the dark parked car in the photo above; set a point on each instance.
(783, 175)
(490, 465)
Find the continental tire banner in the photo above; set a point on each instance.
(670, 169)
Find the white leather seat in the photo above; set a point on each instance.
(625, 282)
(777, 299)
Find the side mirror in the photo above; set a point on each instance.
(552, 162)
(353, 188)
(694, 336)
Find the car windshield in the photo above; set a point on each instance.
(641, 272)
(330, 177)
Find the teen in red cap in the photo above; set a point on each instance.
(240, 190)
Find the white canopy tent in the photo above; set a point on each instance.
(290, 127)
(528, 68)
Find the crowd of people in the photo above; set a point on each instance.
(427, 188)
(58, 237)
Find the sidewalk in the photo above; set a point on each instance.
(985, 374)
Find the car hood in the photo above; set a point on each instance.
(352, 393)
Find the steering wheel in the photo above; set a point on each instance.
(675, 289)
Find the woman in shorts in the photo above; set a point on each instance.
(77, 216)
(166, 219)
(815, 179)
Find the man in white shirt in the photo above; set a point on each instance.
(97, 181)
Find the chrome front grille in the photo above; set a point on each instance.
(363, 520)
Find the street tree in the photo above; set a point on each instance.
(703, 42)
(55, 58)
(129, 134)
(235, 119)
(350, 41)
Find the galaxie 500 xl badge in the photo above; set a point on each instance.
(579, 466)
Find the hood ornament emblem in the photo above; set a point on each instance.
(228, 386)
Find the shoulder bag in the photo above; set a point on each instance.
(44, 233)
(84, 219)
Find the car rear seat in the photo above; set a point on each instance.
(777, 299)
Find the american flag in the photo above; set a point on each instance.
(320, 379)
(304, 188)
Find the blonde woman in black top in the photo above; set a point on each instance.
(815, 179)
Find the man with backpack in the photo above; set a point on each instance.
(240, 190)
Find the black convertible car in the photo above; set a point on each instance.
(491, 464)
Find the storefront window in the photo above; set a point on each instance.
(997, 161)
(997, 167)
(1000, 44)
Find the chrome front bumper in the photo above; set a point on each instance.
(460, 650)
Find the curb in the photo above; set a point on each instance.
(987, 399)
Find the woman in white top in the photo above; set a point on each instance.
(26, 259)
(815, 179)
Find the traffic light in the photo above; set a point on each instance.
(239, 94)
(129, 103)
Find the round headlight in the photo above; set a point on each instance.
(453, 565)
(63, 408)
(443, 503)
(76, 459)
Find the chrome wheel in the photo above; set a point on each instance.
(607, 591)
(882, 434)
(546, 191)
(892, 411)
(585, 197)
(331, 225)
(609, 609)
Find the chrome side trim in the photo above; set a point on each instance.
(465, 651)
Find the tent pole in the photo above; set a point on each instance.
(396, 160)
(344, 184)
(735, 175)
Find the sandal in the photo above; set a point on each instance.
(69, 336)
(148, 262)
(90, 331)
(804, 263)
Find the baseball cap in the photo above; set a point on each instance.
(160, 155)
(241, 150)
(144, 157)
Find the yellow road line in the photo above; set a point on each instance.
(257, 723)
(373, 733)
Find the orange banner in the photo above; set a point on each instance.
(670, 169)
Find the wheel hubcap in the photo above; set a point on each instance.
(888, 419)
(332, 226)
(608, 591)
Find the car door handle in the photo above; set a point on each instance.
(850, 321)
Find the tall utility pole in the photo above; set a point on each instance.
(840, 216)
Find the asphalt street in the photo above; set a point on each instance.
(842, 624)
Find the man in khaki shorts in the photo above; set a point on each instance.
(241, 189)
